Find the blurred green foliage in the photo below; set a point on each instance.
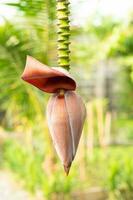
(115, 162)
(28, 165)
(120, 177)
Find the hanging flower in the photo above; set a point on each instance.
(65, 110)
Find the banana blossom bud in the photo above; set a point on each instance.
(65, 110)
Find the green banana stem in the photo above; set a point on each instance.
(63, 33)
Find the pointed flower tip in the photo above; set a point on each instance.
(67, 169)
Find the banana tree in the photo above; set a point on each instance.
(65, 110)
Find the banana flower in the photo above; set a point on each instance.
(65, 110)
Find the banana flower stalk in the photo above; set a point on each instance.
(65, 110)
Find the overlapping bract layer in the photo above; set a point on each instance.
(65, 115)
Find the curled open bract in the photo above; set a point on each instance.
(65, 110)
(45, 78)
